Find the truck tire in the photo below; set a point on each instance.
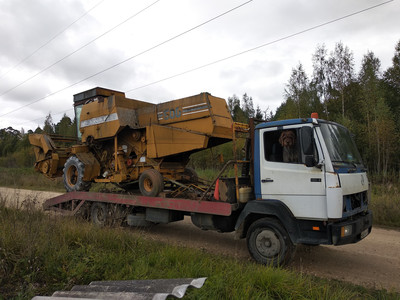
(151, 183)
(269, 243)
(98, 213)
(73, 175)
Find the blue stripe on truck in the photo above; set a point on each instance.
(257, 163)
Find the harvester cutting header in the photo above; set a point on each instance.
(127, 141)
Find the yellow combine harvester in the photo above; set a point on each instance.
(130, 141)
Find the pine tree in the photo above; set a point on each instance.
(48, 125)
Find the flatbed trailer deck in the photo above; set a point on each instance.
(78, 199)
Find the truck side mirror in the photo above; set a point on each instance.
(307, 144)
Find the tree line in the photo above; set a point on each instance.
(15, 149)
(367, 102)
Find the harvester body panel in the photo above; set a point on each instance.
(125, 137)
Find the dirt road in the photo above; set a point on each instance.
(373, 262)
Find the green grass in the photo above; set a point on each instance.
(385, 204)
(41, 253)
(211, 174)
(28, 178)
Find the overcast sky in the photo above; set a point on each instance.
(53, 49)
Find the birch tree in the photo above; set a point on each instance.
(341, 66)
(321, 76)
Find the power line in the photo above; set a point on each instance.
(129, 58)
(50, 40)
(43, 118)
(79, 49)
(219, 60)
(258, 47)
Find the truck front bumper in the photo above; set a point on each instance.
(352, 230)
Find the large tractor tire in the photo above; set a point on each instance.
(151, 183)
(269, 243)
(73, 175)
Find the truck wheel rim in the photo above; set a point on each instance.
(72, 175)
(268, 243)
(148, 185)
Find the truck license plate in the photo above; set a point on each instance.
(364, 233)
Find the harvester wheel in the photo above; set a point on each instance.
(151, 183)
(73, 175)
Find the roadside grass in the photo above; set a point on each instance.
(385, 204)
(28, 178)
(41, 253)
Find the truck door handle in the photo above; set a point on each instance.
(267, 180)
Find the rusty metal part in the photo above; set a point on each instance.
(49, 158)
(136, 135)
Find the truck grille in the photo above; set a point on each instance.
(354, 203)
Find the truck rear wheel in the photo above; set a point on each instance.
(73, 175)
(269, 243)
(98, 213)
(151, 183)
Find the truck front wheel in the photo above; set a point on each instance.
(269, 243)
(73, 175)
(151, 183)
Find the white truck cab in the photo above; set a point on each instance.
(316, 194)
(333, 187)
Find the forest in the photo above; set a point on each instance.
(367, 101)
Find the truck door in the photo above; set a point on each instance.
(284, 175)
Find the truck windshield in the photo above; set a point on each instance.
(341, 147)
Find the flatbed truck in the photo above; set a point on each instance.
(320, 197)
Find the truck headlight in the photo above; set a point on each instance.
(346, 230)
